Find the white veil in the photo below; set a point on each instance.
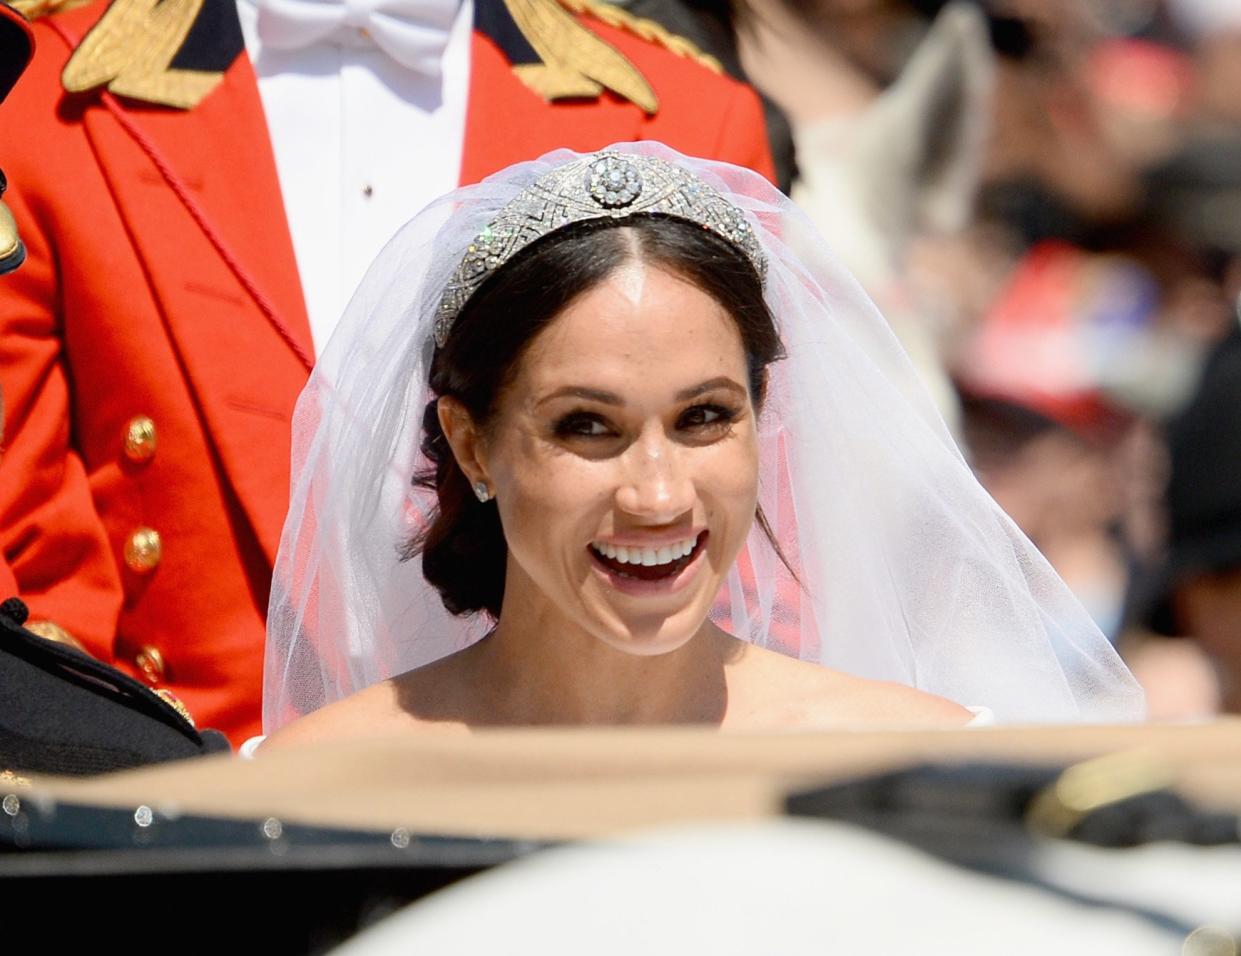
(911, 572)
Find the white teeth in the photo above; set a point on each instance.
(647, 557)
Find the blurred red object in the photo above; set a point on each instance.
(1047, 341)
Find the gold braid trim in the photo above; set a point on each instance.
(646, 29)
(53, 632)
(33, 9)
(173, 701)
(10, 779)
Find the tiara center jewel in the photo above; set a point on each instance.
(615, 182)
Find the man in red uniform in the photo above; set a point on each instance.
(154, 343)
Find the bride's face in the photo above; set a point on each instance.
(624, 460)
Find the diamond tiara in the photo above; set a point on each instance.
(602, 186)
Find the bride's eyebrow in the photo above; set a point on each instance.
(711, 385)
(581, 391)
(611, 398)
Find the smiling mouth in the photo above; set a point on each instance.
(648, 564)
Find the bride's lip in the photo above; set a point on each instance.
(648, 539)
(669, 584)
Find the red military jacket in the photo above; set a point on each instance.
(155, 342)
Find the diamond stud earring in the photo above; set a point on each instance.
(481, 491)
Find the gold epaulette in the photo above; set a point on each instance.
(573, 61)
(130, 52)
(646, 29)
(33, 9)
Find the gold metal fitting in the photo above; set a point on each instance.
(1210, 941)
(55, 633)
(173, 701)
(140, 439)
(150, 664)
(1091, 785)
(12, 252)
(143, 551)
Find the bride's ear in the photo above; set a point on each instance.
(464, 437)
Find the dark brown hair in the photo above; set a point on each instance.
(463, 549)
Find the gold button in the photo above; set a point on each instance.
(150, 664)
(140, 439)
(143, 551)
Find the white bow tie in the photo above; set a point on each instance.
(412, 32)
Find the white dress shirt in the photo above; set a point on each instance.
(361, 142)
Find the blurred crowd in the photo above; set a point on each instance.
(1049, 200)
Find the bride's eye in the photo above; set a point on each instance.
(706, 417)
(582, 425)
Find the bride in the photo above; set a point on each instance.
(593, 446)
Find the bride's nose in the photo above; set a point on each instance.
(655, 483)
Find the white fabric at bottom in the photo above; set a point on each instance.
(788, 887)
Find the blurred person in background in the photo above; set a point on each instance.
(1195, 591)
(904, 113)
(1190, 582)
(1085, 295)
(1055, 411)
(1212, 31)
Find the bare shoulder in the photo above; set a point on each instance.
(436, 698)
(376, 711)
(772, 689)
(888, 702)
(355, 715)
